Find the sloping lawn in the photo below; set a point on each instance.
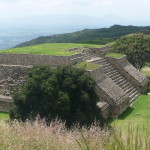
(51, 49)
(138, 114)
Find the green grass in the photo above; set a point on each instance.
(87, 66)
(148, 64)
(50, 49)
(136, 115)
(4, 116)
(146, 71)
(114, 55)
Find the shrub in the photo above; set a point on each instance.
(64, 92)
(136, 47)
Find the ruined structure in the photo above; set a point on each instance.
(117, 82)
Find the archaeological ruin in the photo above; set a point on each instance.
(117, 82)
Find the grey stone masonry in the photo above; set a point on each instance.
(118, 83)
(110, 92)
(12, 76)
(6, 103)
(31, 59)
(137, 79)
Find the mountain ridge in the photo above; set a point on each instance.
(112, 32)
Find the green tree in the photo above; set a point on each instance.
(64, 92)
(136, 47)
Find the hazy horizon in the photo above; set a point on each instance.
(22, 20)
(126, 9)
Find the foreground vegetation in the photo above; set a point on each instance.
(131, 131)
(51, 49)
(38, 136)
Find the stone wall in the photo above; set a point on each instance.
(12, 76)
(110, 93)
(5, 103)
(105, 108)
(107, 85)
(31, 59)
(136, 78)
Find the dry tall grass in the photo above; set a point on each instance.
(38, 136)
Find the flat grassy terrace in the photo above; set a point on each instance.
(114, 55)
(87, 65)
(49, 49)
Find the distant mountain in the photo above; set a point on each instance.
(88, 34)
(51, 21)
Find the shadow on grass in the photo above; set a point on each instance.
(126, 113)
(147, 91)
(122, 116)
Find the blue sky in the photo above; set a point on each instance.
(131, 9)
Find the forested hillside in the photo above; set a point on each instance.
(84, 36)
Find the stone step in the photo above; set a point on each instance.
(94, 60)
(99, 61)
(77, 58)
(87, 55)
(108, 70)
(126, 86)
(105, 62)
(124, 82)
(112, 72)
(120, 82)
(109, 67)
(133, 93)
(117, 78)
(134, 98)
(113, 76)
(132, 90)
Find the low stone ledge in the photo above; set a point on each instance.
(6, 103)
(36, 59)
(105, 109)
(7, 99)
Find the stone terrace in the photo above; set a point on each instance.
(117, 82)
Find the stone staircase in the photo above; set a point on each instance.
(113, 73)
